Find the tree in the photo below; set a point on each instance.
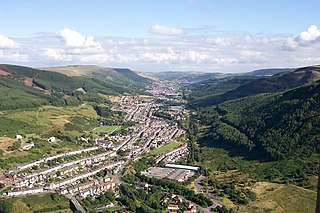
(15, 146)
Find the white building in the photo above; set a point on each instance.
(52, 139)
(24, 192)
(176, 166)
(19, 137)
(28, 146)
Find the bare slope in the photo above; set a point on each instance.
(77, 70)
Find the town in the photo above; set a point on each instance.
(98, 168)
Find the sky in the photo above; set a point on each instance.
(161, 35)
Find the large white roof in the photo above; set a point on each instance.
(182, 167)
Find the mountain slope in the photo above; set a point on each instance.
(78, 70)
(28, 87)
(123, 77)
(276, 83)
(269, 72)
(279, 125)
(187, 76)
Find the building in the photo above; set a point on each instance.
(176, 166)
(173, 207)
(19, 137)
(52, 139)
(24, 192)
(28, 146)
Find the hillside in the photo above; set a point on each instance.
(269, 72)
(78, 70)
(275, 126)
(115, 76)
(275, 83)
(211, 87)
(24, 87)
(183, 76)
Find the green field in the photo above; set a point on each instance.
(43, 120)
(36, 203)
(106, 129)
(172, 145)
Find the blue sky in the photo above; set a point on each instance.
(148, 35)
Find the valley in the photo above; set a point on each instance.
(154, 146)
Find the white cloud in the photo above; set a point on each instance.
(7, 43)
(165, 30)
(311, 34)
(10, 51)
(223, 52)
(57, 54)
(73, 38)
(306, 39)
(9, 56)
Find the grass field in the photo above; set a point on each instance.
(41, 120)
(283, 198)
(172, 145)
(106, 129)
(38, 203)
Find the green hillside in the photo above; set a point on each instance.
(276, 83)
(187, 76)
(276, 125)
(24, 87)
(120, 77)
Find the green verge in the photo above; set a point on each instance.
(170, 146)
(106, 129)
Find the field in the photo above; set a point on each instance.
(37, 203)
(106, 129)
(41, 120)
(172, 145)
(5, 142)
(37, 125)
(283, 198)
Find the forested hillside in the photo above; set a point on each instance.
(272, 126)
(24, 87)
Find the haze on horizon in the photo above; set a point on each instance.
(161, 35)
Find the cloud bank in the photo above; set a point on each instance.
(165, 30)
(227, 52)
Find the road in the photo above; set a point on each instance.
(198, 185)
(212, 197)
(77, 205)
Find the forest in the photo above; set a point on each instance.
(52, 88)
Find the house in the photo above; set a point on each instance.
(19, 137)
(173, 207)
(190, 205)
(28, 146)
(52, 139)
(24, 192)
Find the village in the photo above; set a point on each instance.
(97, 168)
